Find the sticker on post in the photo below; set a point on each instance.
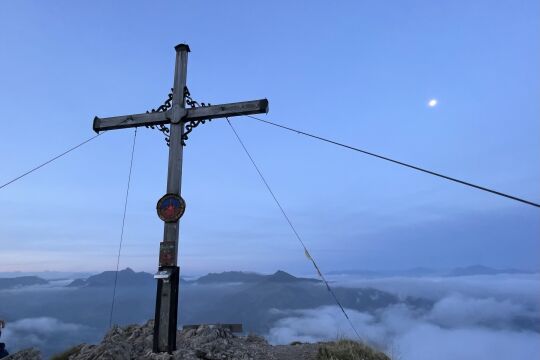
(170, 208)
(163, 275)
(167, 251)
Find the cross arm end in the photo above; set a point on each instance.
(95, 125)
(129, 121)
(227, 110)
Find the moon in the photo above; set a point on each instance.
(432, 103)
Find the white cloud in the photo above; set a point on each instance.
(45, 333)
(472, 318)
(312, 325)
(398, 332)
(42, 325)
(428, 342)
(520, 287)
(458, 310)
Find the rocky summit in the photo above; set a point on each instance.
(207, 342)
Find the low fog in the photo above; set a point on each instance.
(468, 317)
(473, 317)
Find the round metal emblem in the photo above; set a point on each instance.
(170, 208)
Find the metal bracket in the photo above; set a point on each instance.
(190, 125)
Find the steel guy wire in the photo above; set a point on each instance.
(483, 188)
(50, 160)
(123, 226)
(306, 251)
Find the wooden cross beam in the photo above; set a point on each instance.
(193, 114)
(178, 117)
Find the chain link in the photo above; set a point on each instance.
(162, 108)
(190, 125)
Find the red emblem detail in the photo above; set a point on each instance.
(170, 208)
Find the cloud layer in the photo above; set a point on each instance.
(46, 333)
(461, 324)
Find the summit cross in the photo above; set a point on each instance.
(166, 313)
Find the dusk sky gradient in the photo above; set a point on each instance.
(359, 72)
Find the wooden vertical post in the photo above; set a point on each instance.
(166, 315)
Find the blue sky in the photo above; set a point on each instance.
(360, 72)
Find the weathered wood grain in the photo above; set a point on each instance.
(128, 121)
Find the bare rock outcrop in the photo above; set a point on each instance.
(26, 354)
(206, 342)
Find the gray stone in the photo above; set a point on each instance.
(204, 343)
(26, 354)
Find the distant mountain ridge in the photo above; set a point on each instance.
(249, 277)
(17, 282)
(229, 277)
(484, 270)
(130, 278)
(126, 278)
(47, 274)
(255, 300)
(423, 271)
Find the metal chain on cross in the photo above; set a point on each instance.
(193, 123)
(162, 108)
(189, 125)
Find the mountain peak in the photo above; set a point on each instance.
(205, 342)
(282, 276)
(230, 277)
(126, 277)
